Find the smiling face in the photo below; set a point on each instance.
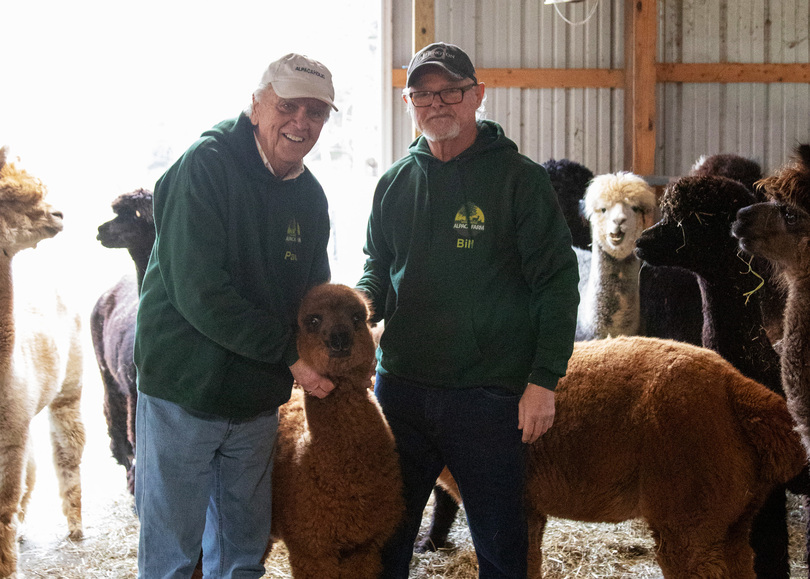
(287, 129)
(441, 122)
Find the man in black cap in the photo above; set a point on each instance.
(469, 262)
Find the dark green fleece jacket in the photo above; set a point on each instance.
(236, 250)
(469, 262)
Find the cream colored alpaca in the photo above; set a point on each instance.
(619, 207)
(40, 365)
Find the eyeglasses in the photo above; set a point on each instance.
(449, 96)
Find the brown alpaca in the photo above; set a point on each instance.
(40, 365)
(670, 433)
(779, 231)
(337, 489)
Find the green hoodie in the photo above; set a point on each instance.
(469, 262)
(236, 250)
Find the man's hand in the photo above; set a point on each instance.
(312, 382)
(535, 412)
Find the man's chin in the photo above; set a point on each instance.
(441, 134)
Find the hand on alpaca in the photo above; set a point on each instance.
(312, 382)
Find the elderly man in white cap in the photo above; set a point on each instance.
(242, 228)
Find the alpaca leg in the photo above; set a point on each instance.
(306, 565)
(67, 439)
(12, 458)
(740, 555)
(769, 538)
(30, 480)
(445, 509)
(362, 563)
(537, 528)
(689, 553)
(116, 416)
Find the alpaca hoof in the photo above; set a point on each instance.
(428, 545)
(76, 535)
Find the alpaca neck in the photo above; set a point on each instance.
(6, 316)
(734, 329)
(141, 258)
(614, 288)
(347, 419)
(795, 348)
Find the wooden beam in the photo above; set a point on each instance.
(733, 72)
(541, 77)
(424, 27)
(615, 78)
(641, 30)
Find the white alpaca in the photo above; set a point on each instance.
(40, 365)
(619, 207)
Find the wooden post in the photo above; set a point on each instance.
(424, 24)
(641, 36)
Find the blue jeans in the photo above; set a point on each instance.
(202, 482)
(474, 432)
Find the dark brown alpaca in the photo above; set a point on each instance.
(337, 489)
(779, 231)
(112, 322)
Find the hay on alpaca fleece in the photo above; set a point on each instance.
(790, 184)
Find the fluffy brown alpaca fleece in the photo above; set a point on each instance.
(40, 365)
(337, 488)
(670, 433)
(779, 231)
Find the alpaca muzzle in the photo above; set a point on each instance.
(339, 342)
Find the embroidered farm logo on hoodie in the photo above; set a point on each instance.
(468, 224)
(292, 240)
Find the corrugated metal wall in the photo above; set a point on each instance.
(760, 121)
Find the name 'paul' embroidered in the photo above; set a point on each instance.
(469, 223)
(292, 240)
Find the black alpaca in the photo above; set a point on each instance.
(112, 323)
(694, 234)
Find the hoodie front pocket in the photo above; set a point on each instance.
(431, 343)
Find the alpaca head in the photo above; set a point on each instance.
(694, 231)
(334, 336)
(619, 206)
(779, 230)
(569, 180)
(746, 171)
(25, 217)
(133, 225)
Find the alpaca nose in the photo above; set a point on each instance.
(340, 340)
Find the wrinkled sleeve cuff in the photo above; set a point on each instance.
(544, 378)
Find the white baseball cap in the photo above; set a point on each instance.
(296, 76)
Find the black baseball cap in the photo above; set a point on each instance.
(449, 56)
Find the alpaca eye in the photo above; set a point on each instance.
(137, 214)
(790, 216)
(358, 319)
(602, 210)
(313, 322)
(637, 209)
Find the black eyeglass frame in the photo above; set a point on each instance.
(441, 93)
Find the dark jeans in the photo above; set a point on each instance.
(474, 432)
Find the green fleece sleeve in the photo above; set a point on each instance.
(550, 268)
(376, 279)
